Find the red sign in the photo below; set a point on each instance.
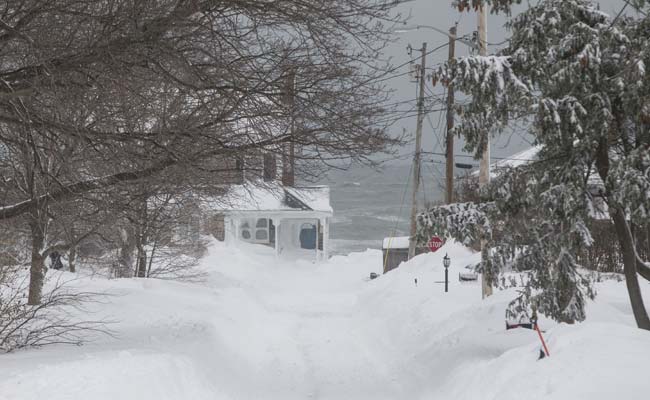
(435, 243)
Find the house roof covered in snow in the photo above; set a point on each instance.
(526, 157)
(522, 158)
(395, 242)
(598, 207)
(272, 196)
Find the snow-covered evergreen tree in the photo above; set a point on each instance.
(578, 77)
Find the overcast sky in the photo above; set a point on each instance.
(439, 13)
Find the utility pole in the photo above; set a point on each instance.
(484, 166)
(418, 150)
(450, 123)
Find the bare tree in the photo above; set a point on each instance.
(109, 92)
(51, 322)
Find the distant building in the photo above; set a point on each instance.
(595, 185)
(293, 220)
(395, 250)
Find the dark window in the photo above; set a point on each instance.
(271, 232)
(308, 236)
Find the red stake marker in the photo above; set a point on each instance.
(542, 339)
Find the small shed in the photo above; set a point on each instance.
(293, 220)
(396, 250)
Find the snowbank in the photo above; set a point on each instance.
(259, 328)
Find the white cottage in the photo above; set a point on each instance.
(293, 220)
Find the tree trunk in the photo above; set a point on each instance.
(487, 277)
(72, 258)
(37, 268)
(153, 252)
(125, 268)
(647, 242)
(142, 262)
(141, 268)
(643, 251)
(626, 242)
(72, 251)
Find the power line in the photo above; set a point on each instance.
(499, 44)
(637, 9)
(436, 174)
(430, 97)
(392, 77)
(436, 129)
(407, 114)
(397, 217)
(383, 78)
(493, 158)
(619, 14)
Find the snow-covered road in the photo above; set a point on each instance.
(308, 332)
(262, 328)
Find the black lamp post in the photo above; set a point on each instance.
(446, 261)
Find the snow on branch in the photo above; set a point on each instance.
(465, 222)
(496, 6)
(631, 177)
(495, 91)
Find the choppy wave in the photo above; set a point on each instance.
(369, 205)
(345, 246)
(351, 184)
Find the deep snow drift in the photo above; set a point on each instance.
(261, 328)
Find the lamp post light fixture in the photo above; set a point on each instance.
(446, 261)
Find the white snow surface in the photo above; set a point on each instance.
(269, 196)
(395, 242)
(261, 328)
(524, 157)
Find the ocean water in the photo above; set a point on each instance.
(371, 204)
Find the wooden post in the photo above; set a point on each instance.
(484, 172)
(450, 124)
(416, 157)
(484, 167)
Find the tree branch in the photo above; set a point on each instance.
(76, 188)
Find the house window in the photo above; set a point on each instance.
(271, 232)
(262, 230)
(308, 236)
(256, 230)
(245, 230)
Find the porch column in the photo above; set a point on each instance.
(231, 235)
(276, 228)
(319, 255)
(326, 235)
